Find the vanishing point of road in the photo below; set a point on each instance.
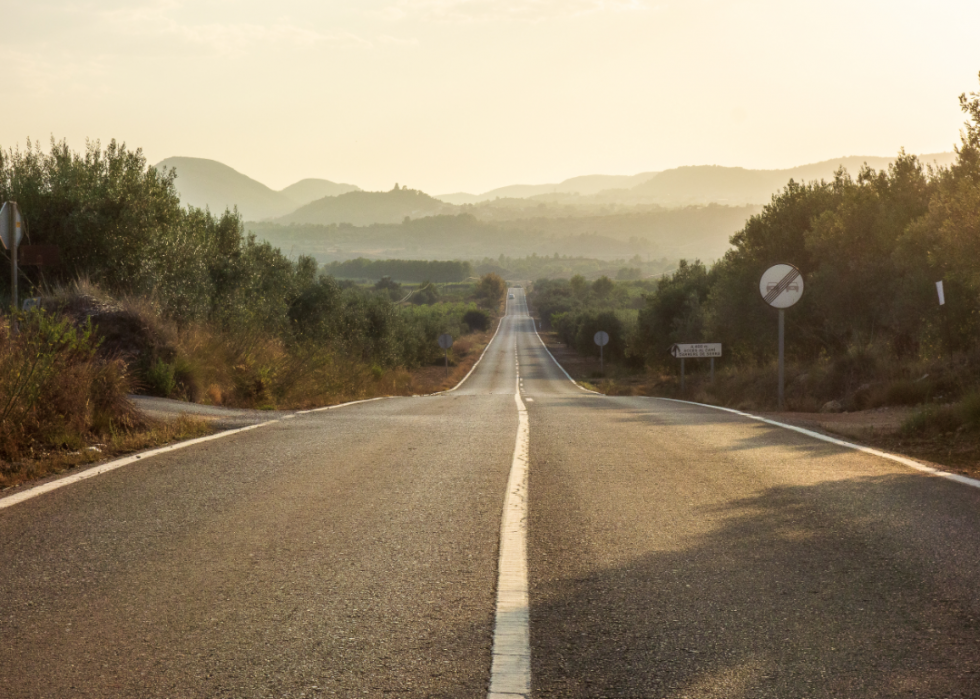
(649, 548)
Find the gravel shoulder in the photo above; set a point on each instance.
(220, 418)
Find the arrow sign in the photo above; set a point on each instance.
(699, 350)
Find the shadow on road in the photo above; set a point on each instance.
(787, 596)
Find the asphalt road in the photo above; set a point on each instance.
(673, 551)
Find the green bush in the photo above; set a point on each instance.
(477, 320)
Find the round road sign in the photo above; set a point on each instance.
(781, 286)
(445, 340)
(601, 338)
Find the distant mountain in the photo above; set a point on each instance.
(305, 191)
(584, 185)
(366, 208)
(702, 184)
(683, 186)
(209, 184)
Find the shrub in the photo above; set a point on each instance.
(477, 320)
(55, 391)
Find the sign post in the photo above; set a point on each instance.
(697, 350)
(446, 341)
(945, 312)
(602, 339)
(11, 231)
(781, 286)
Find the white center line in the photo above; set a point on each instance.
(510, 672)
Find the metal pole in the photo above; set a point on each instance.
(602, 366)
(712, 370)
(782, 334)
(447, 362)
(682, 374)
(12, 227)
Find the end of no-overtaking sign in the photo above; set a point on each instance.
(697, 350)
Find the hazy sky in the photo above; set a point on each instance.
(468, 95)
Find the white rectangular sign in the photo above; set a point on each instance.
(939, 290)
(697, 350)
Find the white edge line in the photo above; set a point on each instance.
(510, 671)
(30, 493)
(567, 375)
(905, 461)
(476, 364)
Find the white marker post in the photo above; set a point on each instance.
(446, 341)
(781, 286)
(602, 339)
(945, 312)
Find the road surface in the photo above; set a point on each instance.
(672, 551)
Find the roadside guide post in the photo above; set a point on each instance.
(781, 286)
(697, 350)
(949, 338)
(446, 341)
(602, 339)
(11, 231)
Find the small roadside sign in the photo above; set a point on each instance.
(697, 350)
(781, 285)
(942, 295)
(11, 236)
(601, 338)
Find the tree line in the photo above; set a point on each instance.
(437, 271)
(870, 249)
(120, 225)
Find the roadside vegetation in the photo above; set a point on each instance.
(869, 330)
(154, 298)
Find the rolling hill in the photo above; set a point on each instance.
(703, 184)
(209, 184)
(683, 186)
(366, 208)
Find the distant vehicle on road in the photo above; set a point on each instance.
(510, 296)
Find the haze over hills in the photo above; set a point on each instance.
(366, 208)
(209, 184)
(584, 185)
(702, 184)
(682, 212)
(693, 184)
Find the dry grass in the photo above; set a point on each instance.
(44, 463)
